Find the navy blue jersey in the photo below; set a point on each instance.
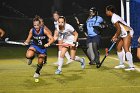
(39, 39)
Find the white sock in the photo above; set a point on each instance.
(60, 63)
(78, 59)
(129, 59)
(67, 55)
(59, 53)
(120, 56)
(123, 54)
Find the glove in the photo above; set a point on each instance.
(76, 44)
(81, 27)
(46, 45)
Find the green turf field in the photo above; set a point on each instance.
(17, 77)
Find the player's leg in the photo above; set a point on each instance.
(120, 54)
(61, 60)
(90, 53)
(67, 55)
(39, 65)
(126, 45)
(76, 58)
(59, 50)
(96, 53)
(95, 47)
(45, 60)
(138, 52)
(30, 54)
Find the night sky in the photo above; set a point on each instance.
(43, 8)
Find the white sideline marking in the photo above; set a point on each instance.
(138, 69)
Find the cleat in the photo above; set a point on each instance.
(36, 75)
(29, 61)
(83, 63)
(98, 65)
(92, 63)
(119, 66)
(69, 61)
(130, 69)
(57, 72)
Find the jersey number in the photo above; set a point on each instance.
(39, 42)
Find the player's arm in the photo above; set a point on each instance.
(75, 36)
(118, 28)
(1, 33)
(55, 35)
(29, 37)
(51, 40)
(47, 29)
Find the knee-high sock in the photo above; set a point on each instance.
(123, 54)
(67, 55)
(60, 63)
(39, 67)
(129, 59)
(78, 59)
(59, 52)
(120, 56)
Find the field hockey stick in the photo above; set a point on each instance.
(107, 52)
(83, 48)
(65, 44)
(80, 26)
(14, 42)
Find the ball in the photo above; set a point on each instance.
(36, 80)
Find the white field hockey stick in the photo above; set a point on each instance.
(14, 42)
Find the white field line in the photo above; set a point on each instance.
(136, 67)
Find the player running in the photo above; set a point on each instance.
(69, 37)
(41, 40)
(60, 41)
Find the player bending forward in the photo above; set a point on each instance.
(69, 35)
(41, 40)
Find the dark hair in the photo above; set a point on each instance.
(37, 18)
(62, 18)
(94, 10)
(56, 12)
(111, 8)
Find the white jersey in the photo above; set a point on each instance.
(55, 24)
(67, 34)
(124, 27)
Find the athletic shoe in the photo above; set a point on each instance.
(130, 69)
(83, 63)
(29, 61)
(57, 72)
(69, 61)
(36, 75)
(119, 66)
(92, 63)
